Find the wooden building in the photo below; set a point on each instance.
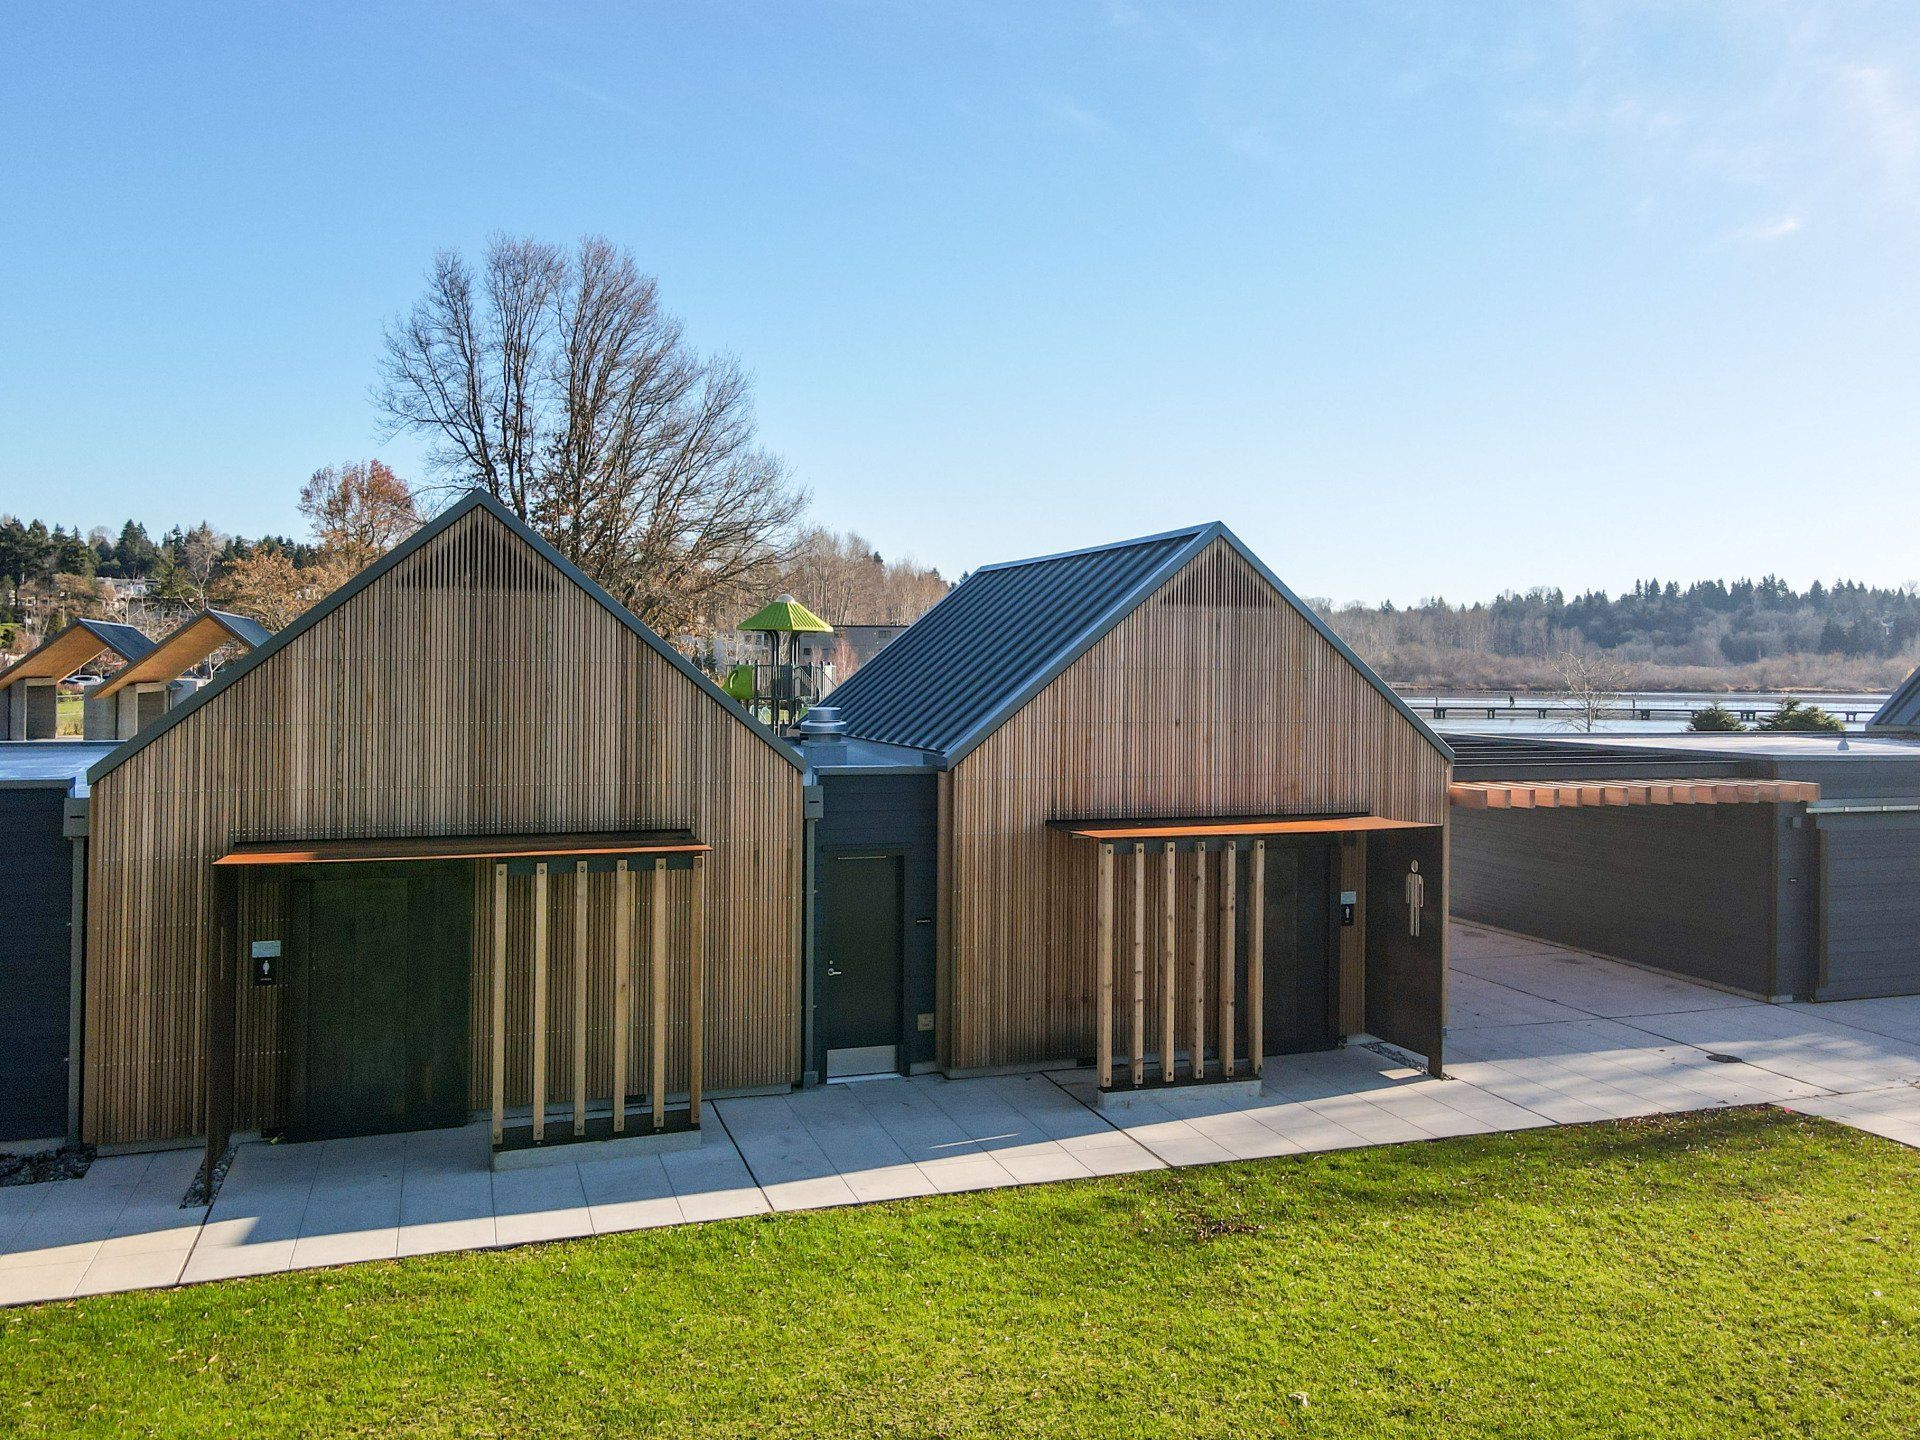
(1179, 826)
(466, 838)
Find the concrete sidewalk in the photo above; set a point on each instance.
(1539, 1035)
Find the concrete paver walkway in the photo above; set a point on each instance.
(1539, 1035)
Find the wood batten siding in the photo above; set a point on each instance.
(1214, 697)
(471, 689)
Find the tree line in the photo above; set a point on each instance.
(1710, 634)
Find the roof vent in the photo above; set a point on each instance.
(822, 722)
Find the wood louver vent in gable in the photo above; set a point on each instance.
(478, 555)
(1219, 578)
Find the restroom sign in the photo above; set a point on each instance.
(266, 962)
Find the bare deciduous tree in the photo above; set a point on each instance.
(201, 551)
(268, 586)
(1594, 683)
(556, 382)
(848, 582)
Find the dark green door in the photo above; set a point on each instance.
(1298, 985)
(861, 961)
(379, 975)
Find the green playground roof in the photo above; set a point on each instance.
(786, 615)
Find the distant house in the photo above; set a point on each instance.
(124, 589)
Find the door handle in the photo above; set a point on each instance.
(831, 971)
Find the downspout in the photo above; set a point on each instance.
(74, 827)
(813, 805)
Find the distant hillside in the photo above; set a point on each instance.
(1710, 635)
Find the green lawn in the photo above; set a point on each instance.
(1740, 1274)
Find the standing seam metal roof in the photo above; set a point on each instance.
(988, 637)
(995, 640)
(1902, 710)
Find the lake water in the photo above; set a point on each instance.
(1467, 709)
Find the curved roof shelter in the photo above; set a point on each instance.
(199, 637)
(81, 643)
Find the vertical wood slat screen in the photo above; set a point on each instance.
(578, 1029)
(1214, 697)
(473, 689)
(1155, 951)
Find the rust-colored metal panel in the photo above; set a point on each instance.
(471, 689)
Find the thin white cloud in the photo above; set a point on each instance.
(1887, 116)
(1073, 116)
(1762, 232)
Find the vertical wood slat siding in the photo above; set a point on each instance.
(1214, 697)
(473, 689)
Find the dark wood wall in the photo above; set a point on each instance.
(1685, 888)
(1870, 912)
(892, 813)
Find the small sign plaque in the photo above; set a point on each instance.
(266, 962)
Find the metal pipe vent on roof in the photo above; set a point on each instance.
(822, 722)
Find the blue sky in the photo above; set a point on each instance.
(1420, 298)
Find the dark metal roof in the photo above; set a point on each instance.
(1524, 756)
(1902, 710)
(472, 500)
(247, 631)
(995, 640)
(127, 641)
(988, 638)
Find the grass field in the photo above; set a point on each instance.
(1746, 1273)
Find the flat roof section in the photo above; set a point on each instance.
(1475, 746)
(47, 762)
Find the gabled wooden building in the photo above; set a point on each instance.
(1178, 826)
(465, 838)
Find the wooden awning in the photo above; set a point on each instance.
(465, 847)
(1572, 794)
(1230, 827)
